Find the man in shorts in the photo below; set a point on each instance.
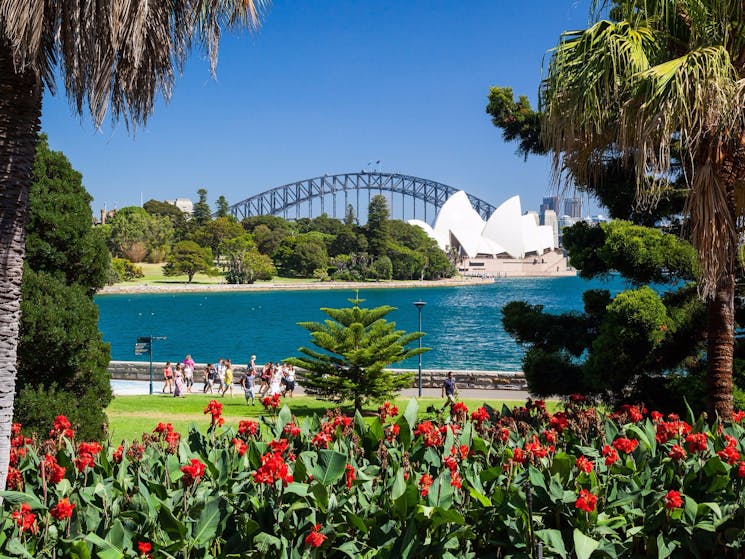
(247, 382)
(449, 389)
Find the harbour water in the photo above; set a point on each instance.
(463, 325)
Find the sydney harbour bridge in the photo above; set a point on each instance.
(408, 197)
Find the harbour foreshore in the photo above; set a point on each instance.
(431, 378)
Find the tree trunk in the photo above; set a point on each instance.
(20, 109)
(720, 347)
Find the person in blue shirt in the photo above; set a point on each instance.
(449, 389)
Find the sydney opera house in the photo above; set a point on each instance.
(509, 243)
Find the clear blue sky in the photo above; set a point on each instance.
(325, 87)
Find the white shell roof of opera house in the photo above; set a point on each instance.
(507, 231)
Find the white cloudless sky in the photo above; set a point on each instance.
(326, 86)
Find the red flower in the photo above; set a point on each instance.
(586, 501)
(271, 402)
(738, 416)
(193, 472)
(60, 426)
(391, 432)
(387, 410)
(321, 439)
(559, 421)
(459, 408)
(677, 453)
(672, 500)
(455, 479)
(623, 444)
(278, 447)
(292, 430)
(451, 463)
(84, 460)
(144, 548)
(584, 464)
(273, 468)
(519, 455)
(90, 448)
(51, 470)
(740, 470)
(240, 446)
(729, 454)
(655, 416)
(503, 434)
(117, 455)
(62, 510)
(350, 474)
(480, 415)
(697, 442)
(424, 484)
(14, 481)
(315, 538)
(611, 456)
(15, 429)
(172, 439)
(215, 409)
(535, 449)
(431, 436)
(25, 519)
(164, 427)
(248, 427)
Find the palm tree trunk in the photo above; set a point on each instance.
(20, 109)
(720, 347)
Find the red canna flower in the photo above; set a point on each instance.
(391, 432)
(25, 519)
(14, 481)
(350, 475)
(273, 468)
(60, 427)
(677, 453)
(455, 479)
(278, 447)
(240, 446)
(117, 455)
(584, 464)
(559, 421)
(248, 427)
(291, 430)
(424, 484)
(625, 445)
(193, 472)
(480, 415)
(387, 410)
(315, 538)
(321, 439)
(586, 501)
(144, 548)
(697, 442)
(738, 416)
(62, 510)
(51, 470)
(519, 455)
(611, 456)
(214, 408)
(741, 470)
(672, 500)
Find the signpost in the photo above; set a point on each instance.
(144, 345)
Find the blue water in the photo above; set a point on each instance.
(463, 324)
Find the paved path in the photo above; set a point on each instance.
(134, 387)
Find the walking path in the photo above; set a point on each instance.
(136, 387)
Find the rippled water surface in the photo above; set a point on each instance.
(463, 324)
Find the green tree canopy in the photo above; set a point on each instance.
(201, 213)
(377, 227)
(300, 255)
(188, 258)
(60, 238)
(354, 348)
(216, 231)
(135, 234)
(222, 206)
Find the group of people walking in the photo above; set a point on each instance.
(272, 378)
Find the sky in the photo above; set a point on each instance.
(326, 87)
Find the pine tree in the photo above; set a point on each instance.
(201, 212)
(354, 349)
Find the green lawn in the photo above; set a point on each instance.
(130, 416)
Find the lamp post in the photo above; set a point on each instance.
(419, 305)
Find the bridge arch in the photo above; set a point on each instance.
(330, 188)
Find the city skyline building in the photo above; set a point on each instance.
(573, 207)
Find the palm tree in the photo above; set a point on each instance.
(660, 79)
(113, 55)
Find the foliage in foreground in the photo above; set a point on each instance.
(625, 485)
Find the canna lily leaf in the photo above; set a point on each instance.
(584, 545)
(330, 466)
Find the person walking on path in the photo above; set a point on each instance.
(247, 383)
(189, 372)
(449, 389)
(168, 378)
(178, 386)
(228, 378)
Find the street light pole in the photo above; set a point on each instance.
(419, 305)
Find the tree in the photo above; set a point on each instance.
(105, 65)
(657, 79)
(245, 264)
(60, 239)
(214, 232)
(356, 346)
(223, 209)
(188, 258)
(67, 262)
(136, 235)
(377, 225)
(202, 213)
(300, 255)
(181, 227)
(349, 217)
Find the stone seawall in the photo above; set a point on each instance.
(431, 378)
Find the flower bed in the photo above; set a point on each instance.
(476, 483)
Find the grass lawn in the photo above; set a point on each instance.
(130, 416)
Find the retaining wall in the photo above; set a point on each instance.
(431, 378)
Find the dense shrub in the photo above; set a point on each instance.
(123, 270)
(630, 484)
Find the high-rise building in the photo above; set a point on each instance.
(549, 203)
(573, 207)
(551, 220)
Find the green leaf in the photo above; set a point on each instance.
(399, 485)
(330, 467)
(18, 497)
(553, 540)
(561, 465)
(283, 418)
(411, 412)
(349, 549)
(107, 549)
(584, 545)
(441, 492)
(79, 550)
(664, 549)
(206, 527)
(170, 524)
(265, 541)
(483, 499)
(17, 548)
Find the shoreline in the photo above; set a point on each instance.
(270, 286)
